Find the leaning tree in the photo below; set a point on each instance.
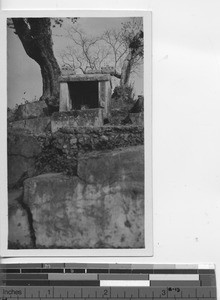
(135, 53)
(127, 46)
(36, 37)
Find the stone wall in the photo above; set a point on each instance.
(99, 138)
(30, 155)
(78, 186)
(60, 151)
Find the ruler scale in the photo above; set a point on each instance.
(107, 281)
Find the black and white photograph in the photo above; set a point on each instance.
(79, 134)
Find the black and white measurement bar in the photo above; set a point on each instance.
(111, 281)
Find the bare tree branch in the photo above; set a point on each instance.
(119, 49)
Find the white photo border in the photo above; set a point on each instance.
(148, 250)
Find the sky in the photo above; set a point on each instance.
(24, 80)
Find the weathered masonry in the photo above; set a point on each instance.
(84, 92)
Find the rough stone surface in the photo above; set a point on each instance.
(22, 150)
(30, 155)
(73, 119)
(98, 138)
(19, 168)
(11, 115)
(60, 150)
(119, 165)
(103, 207)
(31, 110)
(104, 96)
(22, 144)
(137, 118)
(90, 71)
(18, 224)
(36, 126)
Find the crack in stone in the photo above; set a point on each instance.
(82, 179)
(20, 181)
(30, 218)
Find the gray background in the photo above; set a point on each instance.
(186, 127)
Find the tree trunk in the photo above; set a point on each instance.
(126, 70)
(36, 37)
(135, 50)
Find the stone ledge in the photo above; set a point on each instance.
(85, 77)
(36, 126)
(31, 110)
(77, 118)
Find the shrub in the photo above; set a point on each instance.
(125, 93)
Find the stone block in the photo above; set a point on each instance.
(11, 115)
(102, 92)
(22, 150)
(103, 209)
(31, 110)
(77, 118)
(85, 77)
(18, 225)
(90, 71)
(36, 126)
(22, 144)
(124, 164)
(65, 103)
(19, 168)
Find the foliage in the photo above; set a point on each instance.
(59, 21)
(121, 41)
(54, 22)
(52, 159)
(124, 93)
(131, 30)
(121, 102)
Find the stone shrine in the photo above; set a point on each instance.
(85, 92)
